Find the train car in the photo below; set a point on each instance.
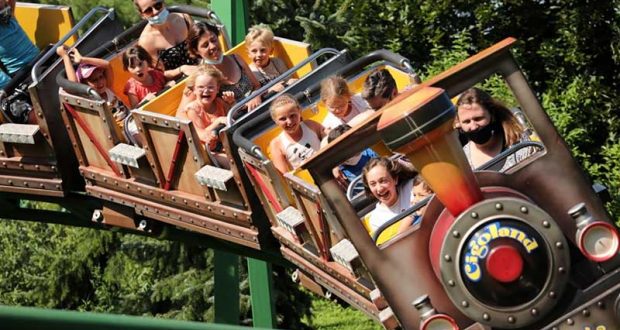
(33, 156)
(172, 178)
(300, 219)
(540, 220)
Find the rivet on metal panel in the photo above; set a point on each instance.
(464, 304)
(451, 283)
(511, 319)
(185, 201)
(173, 198)
(585, 313)
(25, 183)
(53, 168)
(524, 209)
(561, 270)
(37, 167)
(474, 215)
(41, 185)
(559, 245)
(166, 122)
(534, 312)
(552, 294)
(601, 304)
(456, 234)
(570, 321)
(447, 258)
(40, 114)
(139, 189)
(486, 316)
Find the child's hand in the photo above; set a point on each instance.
(255, 102)
(62, 50)
(76, 56)
(291, 81)
(277, 87)
(340, 177)
(228, 97)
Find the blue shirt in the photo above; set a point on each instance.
(353, 171)
(16, 49)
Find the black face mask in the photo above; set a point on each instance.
(484, 134)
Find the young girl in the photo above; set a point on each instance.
(342, 105)
(96, 73)
(265, 67)
(390, 182)
(238, 78)
(208, 110)
(145, 81)
(299, 138)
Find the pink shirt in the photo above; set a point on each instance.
(140, 90)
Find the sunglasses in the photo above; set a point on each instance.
(156, 6)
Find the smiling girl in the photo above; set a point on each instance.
(299, 139)
(342, 105)
(391, 183)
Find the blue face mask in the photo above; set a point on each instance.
(213, 62)
(159, 19)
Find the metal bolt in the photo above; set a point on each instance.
(585, 313)
(447, 258)
(464, 304)
(552, 294)
(570, 321)
(511, 319)
(546, 224)
(601, 304)
(499, 206)
(451, 283)
(534, 312)
(486, 316)
(559, 245)
(524, 209)
(456, 234)
(474, 215)
(561, 270)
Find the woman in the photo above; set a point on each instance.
(165, 37)
(238, 78)
(391, 183)
(490, 128)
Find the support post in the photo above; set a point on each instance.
(226, 287)
(261, 291)
(234, 14)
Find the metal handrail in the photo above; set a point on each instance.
(233, 111)
(109, 13)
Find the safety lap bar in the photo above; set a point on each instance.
(232, 113)
(76, 88)
(36, 67)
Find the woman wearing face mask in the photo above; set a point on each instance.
(165, 37)
(238, 78)
(490, 127)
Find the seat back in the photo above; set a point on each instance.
(45, 24)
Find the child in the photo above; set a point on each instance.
(340, 102)
(96, 73)
(145, 81)
(208, 110)
(379, 88)
(419, 191)
(266, 68)
(299, 138)
(352, 167)
(238, 78)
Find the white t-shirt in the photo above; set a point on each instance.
(358, 105)
(381, 214)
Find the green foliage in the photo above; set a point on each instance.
(330, 315)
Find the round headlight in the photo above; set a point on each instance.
(598, 241)
(439, 322)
